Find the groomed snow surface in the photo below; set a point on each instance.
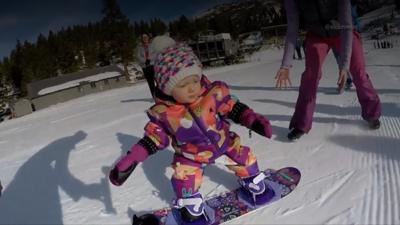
(54, 161)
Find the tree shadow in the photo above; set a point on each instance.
(381, 91)
(138, 100)
(32, 197)
(381, 65)
(324, 90)
(388, 91)
(388, 109)
(319, 108)
(279, 132)
(389, 147)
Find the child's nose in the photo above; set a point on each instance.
(191, 88)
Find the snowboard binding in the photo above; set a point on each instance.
(255, 190)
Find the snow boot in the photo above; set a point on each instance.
(349, 84)
(374, 124)
(256, 189)
(295, 134)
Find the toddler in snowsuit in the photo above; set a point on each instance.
(192, 114)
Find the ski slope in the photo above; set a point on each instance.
(54, 161)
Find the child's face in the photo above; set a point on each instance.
(187, 90)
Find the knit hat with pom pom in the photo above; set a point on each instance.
(174, 64)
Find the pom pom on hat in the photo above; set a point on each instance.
(174, 64)
(160, 43)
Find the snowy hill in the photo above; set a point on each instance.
(53, 162)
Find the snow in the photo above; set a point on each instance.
(74, 83)
(54, 161)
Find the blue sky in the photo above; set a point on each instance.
(26, 19)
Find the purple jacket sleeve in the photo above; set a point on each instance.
(155, 131)
(346, 37)
(292, 16)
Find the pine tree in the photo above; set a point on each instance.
(15, 70)
(157, 27)
(112, 13)
(5, 87)
(182, 28)
(119, 34)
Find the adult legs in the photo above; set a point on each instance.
(316, 51)
(148, 73)
(298, 50)
(369, 100)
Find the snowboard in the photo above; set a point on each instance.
(231, 204)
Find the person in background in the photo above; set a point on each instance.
(158, 44)
(299, 46)
(328, 25)
(357, 27)
(144, 55)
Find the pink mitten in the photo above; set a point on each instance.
(137, 154)
(127, 164)
(256, 122)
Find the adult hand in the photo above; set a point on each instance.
(342, 79)
(282, 78)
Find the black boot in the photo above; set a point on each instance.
(374, 124)
(146, 219)
(295, 134)
(349, 83)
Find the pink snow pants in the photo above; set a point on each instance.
(316, 50)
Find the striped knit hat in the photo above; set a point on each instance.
(174, 64)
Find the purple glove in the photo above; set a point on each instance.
(127, 164)
(256, 122)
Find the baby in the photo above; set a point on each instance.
(191, 113)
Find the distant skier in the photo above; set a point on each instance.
(146, 52)
(1, 188)
(357, 27)
(144, 55)
(299, 46)
(191, 114)
(328, 25)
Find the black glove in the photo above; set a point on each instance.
(147, 63)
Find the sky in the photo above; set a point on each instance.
(26, 19)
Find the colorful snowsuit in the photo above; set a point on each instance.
(199, 134)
